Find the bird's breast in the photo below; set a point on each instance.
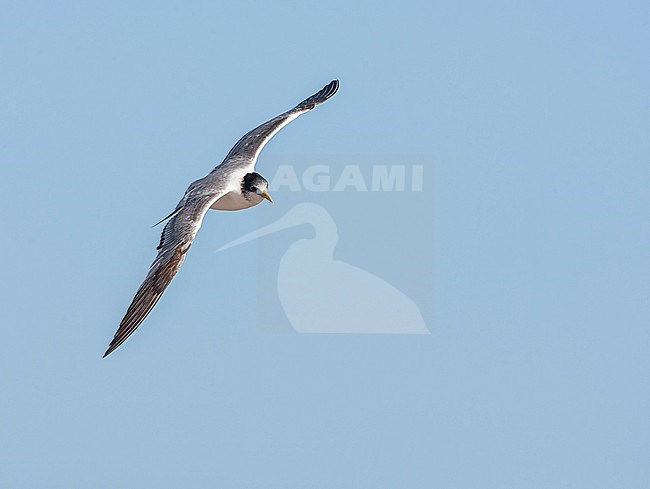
(233, 201)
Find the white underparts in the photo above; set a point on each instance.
(235, 201)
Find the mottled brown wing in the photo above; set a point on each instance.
(175, 240)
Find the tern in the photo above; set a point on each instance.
(233, 185)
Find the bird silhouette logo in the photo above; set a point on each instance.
(322, 295)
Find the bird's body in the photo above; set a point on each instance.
(233, 185)
(233, 201)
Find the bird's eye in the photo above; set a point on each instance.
(254, 188)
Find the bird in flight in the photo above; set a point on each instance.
(233, 185)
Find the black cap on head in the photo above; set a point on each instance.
(254, 181)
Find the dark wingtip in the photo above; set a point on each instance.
(114, 345)
(318, 98)
(330, 89)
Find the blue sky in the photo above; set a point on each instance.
(535, 118)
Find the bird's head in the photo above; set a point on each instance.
(255, 187)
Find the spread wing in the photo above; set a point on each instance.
(246, 150)
(175, 240)
(186, 219)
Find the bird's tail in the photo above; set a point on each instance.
(176, 211)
